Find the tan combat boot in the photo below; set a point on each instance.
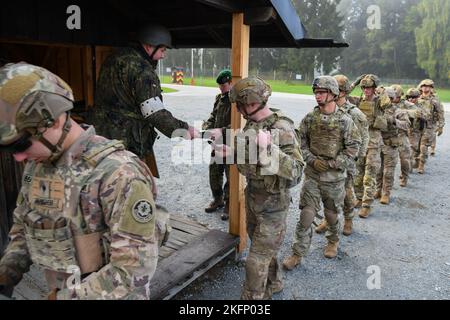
(291, 262)
(214, 205)
(322, 227)
(377, 194)
(364, 212)
(385, 199)
(348, 225)
(330, 250)
(403, 182)
(421, 168)
(358, 203)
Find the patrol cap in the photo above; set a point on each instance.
(155, 35)
(224, 76)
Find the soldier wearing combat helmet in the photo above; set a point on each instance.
(417, 126)
(368, 166)
(330, 143)
(277, 166)
(361, 123)
(86, 205)
(434, 124)
(129, 103)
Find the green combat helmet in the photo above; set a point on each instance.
(155, 35)
(224, 76)
(326, 82)
(412, 93)
(250, 90)
(370, 81)
(344, 83)
(31, 98)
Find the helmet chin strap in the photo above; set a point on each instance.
(248, 115)
(57, 149)
(154, 51)
(336, 98)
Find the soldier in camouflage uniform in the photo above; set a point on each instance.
(397, 119)
(405, 148)
(361, 123)
(417, 126)
(434, 124)
(86, 213)
(220, 118)
(372, 105)
(128, 101)
(274, 167)
(330, 142)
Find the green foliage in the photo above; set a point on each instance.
(433, 38)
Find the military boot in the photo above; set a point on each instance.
(330, 250)
(385, 199)
(291, 262)
(348, 225)
(357, 203)
(416, 164)
(225, 215)
(364, 212)
(215, 204)
(377, 194)
(433, 151)
(403, 181)
(322, 227)
(421, 168)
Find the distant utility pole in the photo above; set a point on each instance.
(192, 67)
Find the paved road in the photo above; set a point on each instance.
(407, 241)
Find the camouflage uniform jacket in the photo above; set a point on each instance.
(96, 189)
(332, 137)
(284, 155)
(127, 79)
(412, 111)
(221, 115)
(397, 120)
(436, 110)
(361, 123)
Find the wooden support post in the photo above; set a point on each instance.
(88, 76)
(239, 64)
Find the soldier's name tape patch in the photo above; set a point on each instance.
(142, 211)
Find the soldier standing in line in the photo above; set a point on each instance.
(361, 123)
(397, 119)
(330, 143)
(434, 124)
(372, 105)
(417, 126)
(271, 169)
(220, 118)
(86, 205)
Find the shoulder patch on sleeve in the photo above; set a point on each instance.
(138, 217)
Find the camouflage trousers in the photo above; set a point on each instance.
(425, 142)
(386, 174)
(405, 156)
(433, 140)
(349, 200)
(313, 194)
(414, 140)
(218, 189)
(366, 178)
(266, 227)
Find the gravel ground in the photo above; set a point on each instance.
(408, 240)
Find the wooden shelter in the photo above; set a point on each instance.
(72, 39)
